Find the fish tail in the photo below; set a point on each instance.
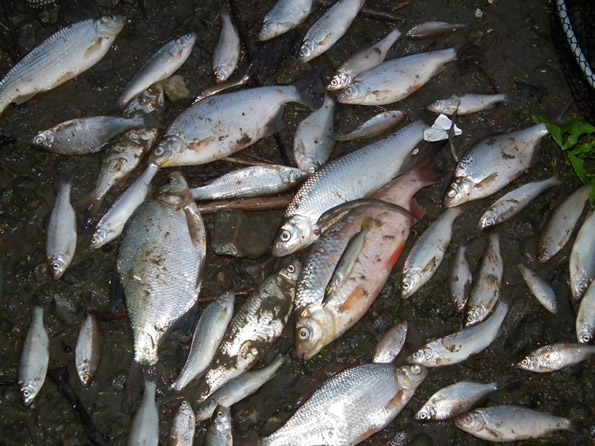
(153, 120)
(307, 92)
(505, 382)
(574, 426)
(91, 205)
(134, 385)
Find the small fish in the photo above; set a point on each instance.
(433, 29)
(391, 344)
(582, 258)
(227, 51)
(426, 255)
(219, 432)
(35, 356)
(511, 423)
(585, 319)
(253, 181)
(515, 201)
(285, 15)
(87, 353)
(148, 101)
(363, 60)
(466, 104)
(61, 237)
(207, 336)
(329, 28)
(161, 65)
(457, 347)
(144, 427)
(456, 399)
(561, 224)
(550, 358)
(374, 126)
(540, 289)
(183, 426)
(492, 164)
(313, 139)
(460, 279)
(396, 79)
(78, 47)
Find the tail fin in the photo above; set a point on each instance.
(134, 384)
(505, 382)
(91, 205)
(308, 91)
(153, 120)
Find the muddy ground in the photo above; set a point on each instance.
(509, 50)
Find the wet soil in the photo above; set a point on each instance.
(508, 50)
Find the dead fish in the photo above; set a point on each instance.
(313, 140)
(550, 358)
(515, 201)
(61, 237)
(219, 431)
(374, 126)
(350, 407)
(458, 346)
(585, 319)
(363, 60)
(285, 15)
(561, 224)
(492, 164)
(396, 79)
(161, 65)
(540, 289)
(582, 258)
(144, 427)
(183, 426)
(427, 253)
(511, 423)
(460, 279)
(87, 353)
(253, 181)
(35, 355)
(391, 344)
(78, 47)
(433, 29)
(148, 101)
(466, 104)
(329, 28)
(227, 51)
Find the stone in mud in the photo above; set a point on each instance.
(175, 88)
(67, 310)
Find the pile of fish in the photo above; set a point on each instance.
(350, 218)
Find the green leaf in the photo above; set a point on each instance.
(575, 129)
(578, 164)
(587, 149)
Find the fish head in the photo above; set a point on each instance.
(353, 93)
(487, 220)
(296, 233)
(446, 106)
(222, 419)
(270, 30)
(529, 363)
(29, 390)
(205, 410)
(186, 41)
(581, 284)
(426, 413)
(470, 422)
(57, 264)
(339, 81)
(585, 334)
(411, 281)
(422, 356)
(458, 193)
(185, 407)
(222, 72)
(306, 50)
(99, 237)
(312, 331)
(84, 373)
(165, 151)
(290, 273)
(411, 376)
(293, 176)
(474, 316)
(109, 26)
(175, 192)
(44, 139)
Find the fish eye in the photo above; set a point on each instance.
(452, 193)
(55, 266)
(585, 339)
(39, 139)
(290, 269)
(415, 369)
(417, 355)
(582, 287)
(525, 362)
(26, 393)
(285, 236)
(422, 416)
(334, 82)
(172, 180)
(220, 414)
(159, 150)
(303, 333)
(406, 285)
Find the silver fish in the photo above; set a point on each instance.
(460, 279)
(227, 51)
(285, 15)
(585, 319)
(396, 79)
(207, 336)
(486, 289)
(35, 356)
(183, 426)
(427, 253)
(144, 427)
(313, 139)
(515, 201)
(433, 29)
(582, 258)
(458, 346)
(329, 28)
(219, 432)
(160, 261)
(511, 423)
(363, 60)
(540, 289)
(112, 223)
(77, 48)
(466, 104)
(550, 358)
(391, 344)
(493, 164)
(456, 399)
(374, 126)
(561, 224)
(161, 65)
(61, 237)
(237, 389)
(148, 101)
(334, 184)
(350, 407)
(87, 353)
(253, 181)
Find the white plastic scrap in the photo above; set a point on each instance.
(440, 129)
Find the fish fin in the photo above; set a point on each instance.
(394, 258)
(133, 387)
(116, 292)
(275, 125)
(486, 182)
(416, 209)
(91, 205)
(506, 382)
(154, 120)
(308, 92)
(575, 427)
(353, 299)
(22, 99)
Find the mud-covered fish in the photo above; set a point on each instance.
(253, 181)
(540, 289)
(59, 58)
(227, 51)
(460, 279)
(582, 258)
(550, 358)
(492, 164)
(161, 65)
(515, 201)
(585, 319)
(396, 79)
(466, 104)
(219, 431)
(363, 60)
(350, 407)
(160, 261)
(391, 344)
(144, 427)
(87, 353)
(285, 15)
(61, 235)
(433, 29)
(183, 426)
(333, 184)
(374, 126)
(35, 355)
(148, 101)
